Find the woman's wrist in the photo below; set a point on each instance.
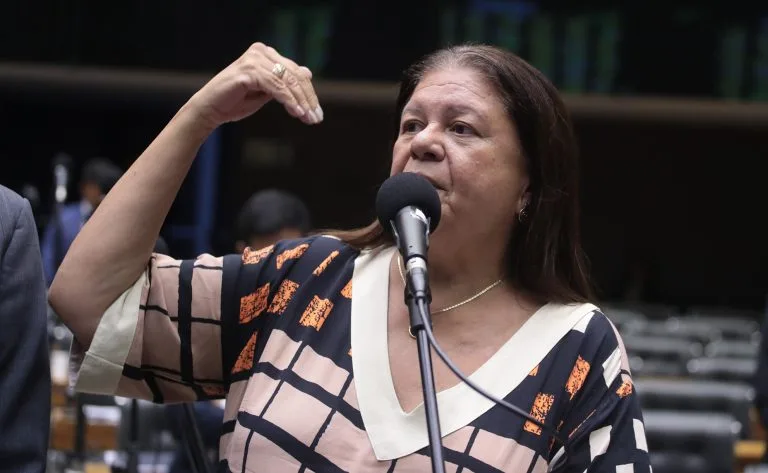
(193, 123)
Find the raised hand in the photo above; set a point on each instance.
(258, 76)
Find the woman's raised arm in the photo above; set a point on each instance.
(114, 247)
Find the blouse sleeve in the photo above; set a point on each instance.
(175, 335)
(605, 431)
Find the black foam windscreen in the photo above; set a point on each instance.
(407, 189)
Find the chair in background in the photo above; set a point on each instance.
(690, 442)
(761, 468)
(732, 349)
(735, 399)
(660, 356)
(677, 328)
(723, 369)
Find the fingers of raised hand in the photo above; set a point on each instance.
(306, 72)
(299, 81)
(288, 83)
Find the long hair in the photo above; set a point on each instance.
(544, 256)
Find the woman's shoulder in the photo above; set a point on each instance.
(298, 248)
(595, 340)
(579, 330)
(583, 318)
(295, 257)
(598, 328)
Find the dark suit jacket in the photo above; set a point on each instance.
(760, 380)
(25, 377)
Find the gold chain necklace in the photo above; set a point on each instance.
(454, 306)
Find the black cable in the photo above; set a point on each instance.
(511, 407)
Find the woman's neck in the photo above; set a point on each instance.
(455, 280)
(454, 277)
(455, 263)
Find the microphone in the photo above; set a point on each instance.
(61, 165)
(408, 205)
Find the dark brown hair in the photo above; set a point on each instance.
(544, 256)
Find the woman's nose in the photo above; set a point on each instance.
(428, 145)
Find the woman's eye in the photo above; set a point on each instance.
(462, 129)
(411, 126)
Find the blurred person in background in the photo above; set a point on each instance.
(269, 216)
(266, 218)
(96, 179)
(25, 377)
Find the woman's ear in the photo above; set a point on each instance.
(524, 200)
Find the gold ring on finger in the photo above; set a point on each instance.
(278, 70)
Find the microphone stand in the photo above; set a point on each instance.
(132, 462)
(414, 296)
(75, 462)
(80, 428)
(79, 454)
(193, 442)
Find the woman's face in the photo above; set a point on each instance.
(455, 131)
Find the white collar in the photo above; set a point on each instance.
(394, 433)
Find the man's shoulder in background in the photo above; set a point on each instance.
(25, 379)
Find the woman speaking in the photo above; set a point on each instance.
(309, 339)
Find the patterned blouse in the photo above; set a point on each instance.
(294, 336)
